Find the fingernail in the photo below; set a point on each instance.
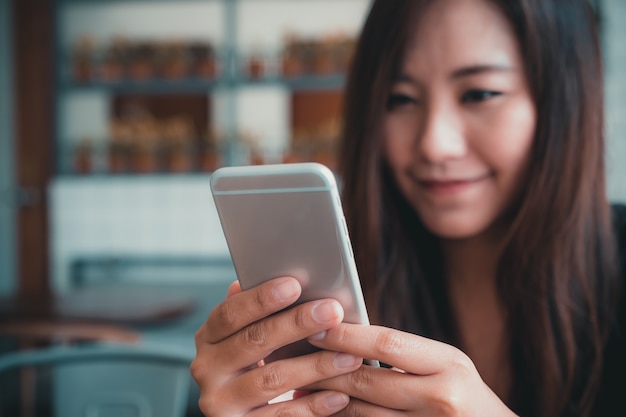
(326, 311)
(336, 401)
(344, 360)
(318, 336)
(286, 290)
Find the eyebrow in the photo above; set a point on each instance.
(479, 69)
(461, 72)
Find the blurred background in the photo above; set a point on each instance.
(114, 113)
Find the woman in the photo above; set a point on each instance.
(474, 191)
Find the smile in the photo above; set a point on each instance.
(450, 187)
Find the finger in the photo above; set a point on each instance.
(233, 288)
(363, 408)
(260, 385)
(383, 387)
(439, 394)
(200, 336)
(412, 353)
(246, 307)
(325, 403)
(259, 339)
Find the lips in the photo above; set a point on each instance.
(449, 186)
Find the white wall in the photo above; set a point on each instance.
(614, 16)
(7, 210)
(145, 216)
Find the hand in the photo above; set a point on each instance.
(243, 330)
(430, 378)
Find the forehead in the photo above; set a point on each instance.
(463, 32)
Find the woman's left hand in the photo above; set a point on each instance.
(437, 379)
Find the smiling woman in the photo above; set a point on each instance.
(460, 120)
(474, 191)
(491, 132)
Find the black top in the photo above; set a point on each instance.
(611, 400)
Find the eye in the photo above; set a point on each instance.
(475, 96)
(398, 100)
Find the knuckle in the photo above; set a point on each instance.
(447, 402)
(314, 406)
(339, 334)
(261, 300)
(271, 379)
(355, 409)
(300, 319)
(254, 335)
(207, 406)
(309, 407)
(388, 343)
(361, 379)
(461, 364)
(450, 397)
(352, 411)
(226, 315)
(202, 335)
(320, 365)
(196, 369)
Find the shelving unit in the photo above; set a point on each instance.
(229, 83)
(162, 214)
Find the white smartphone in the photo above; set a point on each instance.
(286, 220)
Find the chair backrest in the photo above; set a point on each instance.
(111, 380)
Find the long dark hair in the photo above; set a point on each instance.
(558, 271)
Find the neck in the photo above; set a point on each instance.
(471, 262)
(470, 272)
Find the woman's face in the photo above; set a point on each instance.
(460, 119)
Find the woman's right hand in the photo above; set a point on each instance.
(243, 330)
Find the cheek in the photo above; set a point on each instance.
(511, 138)
(398, 135)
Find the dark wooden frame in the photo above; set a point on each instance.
(33, 72)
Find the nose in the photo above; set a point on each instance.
(441, 137)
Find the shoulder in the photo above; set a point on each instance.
(619, 224)
(619, 229)
(619, 218)
(610, 395)
(619, 215)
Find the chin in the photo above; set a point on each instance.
(456, 233)
(454, 227)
